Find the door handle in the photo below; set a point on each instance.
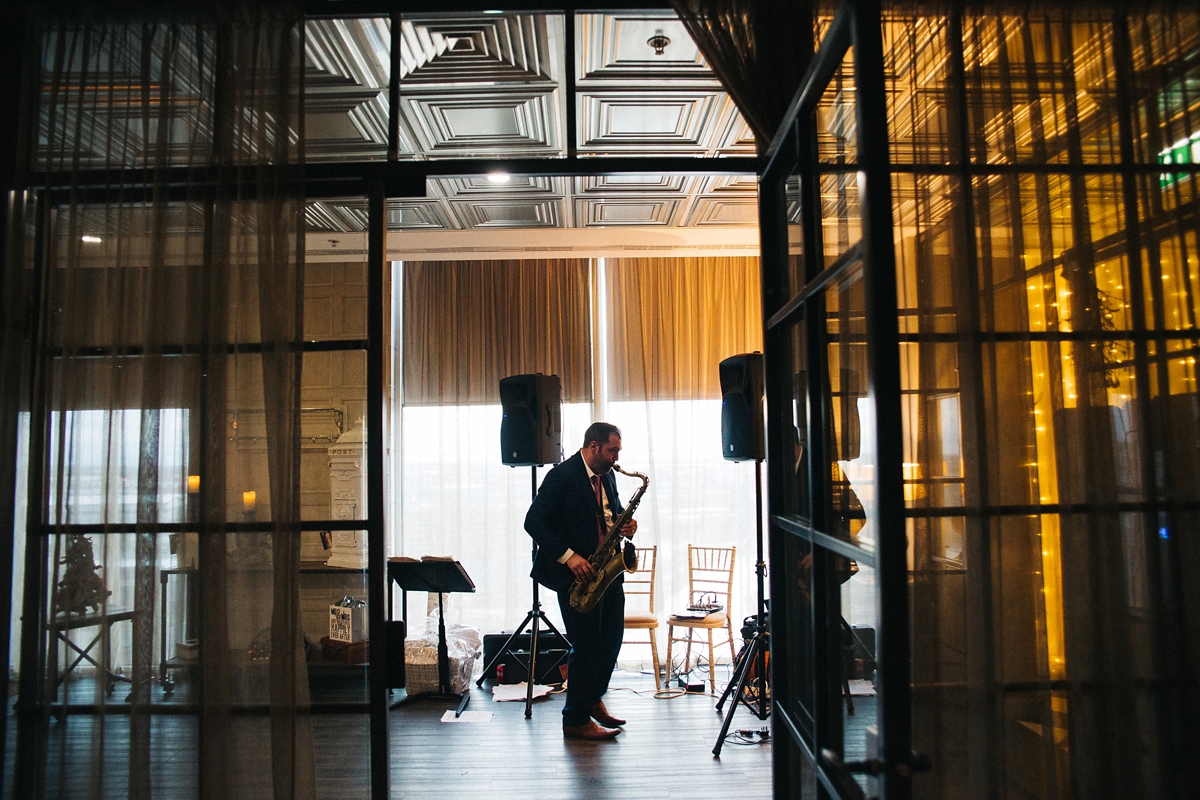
(843, 771)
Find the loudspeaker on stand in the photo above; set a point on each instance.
(531, 430)
(742, 431)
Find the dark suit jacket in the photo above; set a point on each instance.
(563, 515)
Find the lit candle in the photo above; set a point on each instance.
(249, 500)
(193, 484)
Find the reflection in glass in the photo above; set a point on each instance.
(795, 234)
(793, 635)
(796, 497)
(916, 67)
(1058, 68)
(857, 658)
(837, 133)
(851, 432)
(333, 399)
(841, 214)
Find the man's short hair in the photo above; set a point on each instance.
(600, 433)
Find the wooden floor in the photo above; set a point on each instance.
(665, 752)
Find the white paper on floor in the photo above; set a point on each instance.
(468, 716)
(516, 691)
(861, 688)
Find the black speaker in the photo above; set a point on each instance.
(531, 431)
(742, 435)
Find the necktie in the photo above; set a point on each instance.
(600, 508)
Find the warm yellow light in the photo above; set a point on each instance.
(193, 484)
(249, 500)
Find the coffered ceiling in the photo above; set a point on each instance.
(495, 86)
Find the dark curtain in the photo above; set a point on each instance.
(162, 310)
(758, 49)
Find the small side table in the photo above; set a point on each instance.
(189, 603)
(65, 622)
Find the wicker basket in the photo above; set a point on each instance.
(423, 677)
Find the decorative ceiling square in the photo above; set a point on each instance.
(737, 139)
(738, 185)
(633, 184)
(347, 53)
(625, 211)
(515, 213)
(618, 47)
(650, 121)
(516, 124)
(345, 90)
(723, 211)
(489, 50)
(337, 216)
(476, 185)
(417, 215)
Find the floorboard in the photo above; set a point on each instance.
(665, 752)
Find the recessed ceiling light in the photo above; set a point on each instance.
(91, 239)
(499, 177)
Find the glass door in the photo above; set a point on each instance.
(835, 459)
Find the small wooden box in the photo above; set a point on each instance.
(345, 652)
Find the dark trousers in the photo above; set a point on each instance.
(595, 643)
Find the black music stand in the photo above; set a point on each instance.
(443, 577)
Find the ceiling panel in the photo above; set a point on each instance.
(729, 184)
(613, 184)
(509, 213)
(723, 211)
(345, 90)
(475, 185)
(508, 124)
(453, 51)
(418, 215)
(615, 47)
(672, 122)
(626, 211)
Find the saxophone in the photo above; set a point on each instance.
(610, 558)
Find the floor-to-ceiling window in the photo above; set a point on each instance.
(1045, 327)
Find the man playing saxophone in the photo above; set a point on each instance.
(570, 515)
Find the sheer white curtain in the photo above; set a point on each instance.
(664, 325)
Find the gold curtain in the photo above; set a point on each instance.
(672, 320)
(467, 324)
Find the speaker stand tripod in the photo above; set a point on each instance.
(751, 662)
(536, 617)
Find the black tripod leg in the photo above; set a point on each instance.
(738, 668)
(505, 648)
(530, 678)
(741, 685)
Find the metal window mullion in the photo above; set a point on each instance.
(376, 553)
(1162, 560)
(31, 705)
(815, 285)
(883, 369)
(828, 726)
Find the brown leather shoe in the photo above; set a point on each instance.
(589, 730)
(601, 715)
